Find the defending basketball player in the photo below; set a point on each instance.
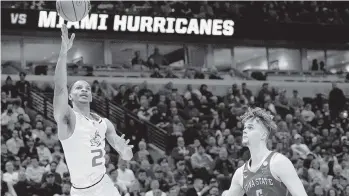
(267, 173)
(83, 133)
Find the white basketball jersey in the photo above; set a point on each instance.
(84, 151)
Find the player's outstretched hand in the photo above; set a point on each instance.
(67, 42)
(127, 153)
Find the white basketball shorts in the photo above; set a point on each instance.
(104, 188)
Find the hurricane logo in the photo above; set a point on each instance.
(96, 140)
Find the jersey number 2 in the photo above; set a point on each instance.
(99, 154)
(259, 192)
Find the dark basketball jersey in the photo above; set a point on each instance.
(262, 182)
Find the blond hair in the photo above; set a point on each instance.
(262, 115)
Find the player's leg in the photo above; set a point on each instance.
(104, 188)
(75, 192)
(92, 191)
(109, 187)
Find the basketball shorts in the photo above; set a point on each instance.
(104, 188)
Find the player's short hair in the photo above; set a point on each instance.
(262, 115)
(70, 87)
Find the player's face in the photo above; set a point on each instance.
(81, 92)
(252, 132)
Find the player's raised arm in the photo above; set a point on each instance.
(118, 143)
(235, 186)
(61, 109)
(285, 170)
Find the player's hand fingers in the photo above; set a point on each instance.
(130, 146)
(122, 136)
(72, 37)
(65, 32)
(64, 29)
(71, 40)
(127, 141)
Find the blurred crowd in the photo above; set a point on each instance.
(203, 146)
(324, 12)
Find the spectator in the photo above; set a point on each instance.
(23, 186)
(198, 188)
(10, 176)
(52, 171)
(10, 89)
(96, 88)
(158, 58)
(110, 167)
(155, 191)
(23, 120)
(125, 176)
(43, 152)
(14, 143)
(296, 101)
(119, 185)
(143, 152)
(49, 139)
(38, 133)
(336, 101)
(282, 104)
(57, 151)
(143, 180)
(247, 93)
(298, 148)
(181, 171)
(145, 90)
(307, 113)
(170, 74)
(156, 73)
(201, 163)
(181, 152)
(29, 150)
(23, 86)
(9, 117)
(137, 60)
(223, 168)
(160, 176)
(50, 187)
(66, 187)
(34, 171)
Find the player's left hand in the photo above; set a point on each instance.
(127, 153)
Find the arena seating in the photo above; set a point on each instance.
(192, 118)
(171, 114)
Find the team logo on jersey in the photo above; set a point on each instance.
(264, 169)
(96, 139)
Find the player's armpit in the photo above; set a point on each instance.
(285, 170)
(235, 186)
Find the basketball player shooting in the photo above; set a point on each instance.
(267, 173)
(83, 133)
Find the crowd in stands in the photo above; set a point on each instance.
(324, 12)
(204, 140)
